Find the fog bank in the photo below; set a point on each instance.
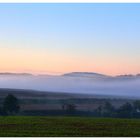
(129, 87)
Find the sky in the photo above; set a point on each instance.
(61, 38)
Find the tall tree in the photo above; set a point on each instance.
(136, 105)
(11, 105)
(125, 111)
(108, 109)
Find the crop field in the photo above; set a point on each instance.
(19, 126)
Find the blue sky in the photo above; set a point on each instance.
(79, 37)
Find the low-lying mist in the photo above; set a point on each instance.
(129, 87)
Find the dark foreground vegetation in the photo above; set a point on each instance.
(11, 106)
(19, 126)
(30, 115)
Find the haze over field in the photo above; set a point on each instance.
(85, 83)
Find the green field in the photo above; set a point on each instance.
(68, 126)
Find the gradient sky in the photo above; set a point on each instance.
(60, 38)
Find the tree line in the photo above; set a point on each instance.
(127, 110)
(10, 106)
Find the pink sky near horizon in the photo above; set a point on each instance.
(43, 61)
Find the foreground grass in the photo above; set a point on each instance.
(68, 126)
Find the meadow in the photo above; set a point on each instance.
(28, 126)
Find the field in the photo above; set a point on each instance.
(20, 126)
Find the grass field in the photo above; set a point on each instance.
(20, 126)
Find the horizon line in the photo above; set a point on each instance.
(60, 74)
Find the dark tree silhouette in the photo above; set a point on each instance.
(69, 107)
(125, 111)
(99, 110)
(136, 109)
(136, 105)
(108, 109)
(2, 112)
(11, 105)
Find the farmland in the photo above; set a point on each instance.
(23, 126)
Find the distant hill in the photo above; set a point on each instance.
(77, 74)
(14, 74)
(102, 76)
(87, 75)
(127, 76)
